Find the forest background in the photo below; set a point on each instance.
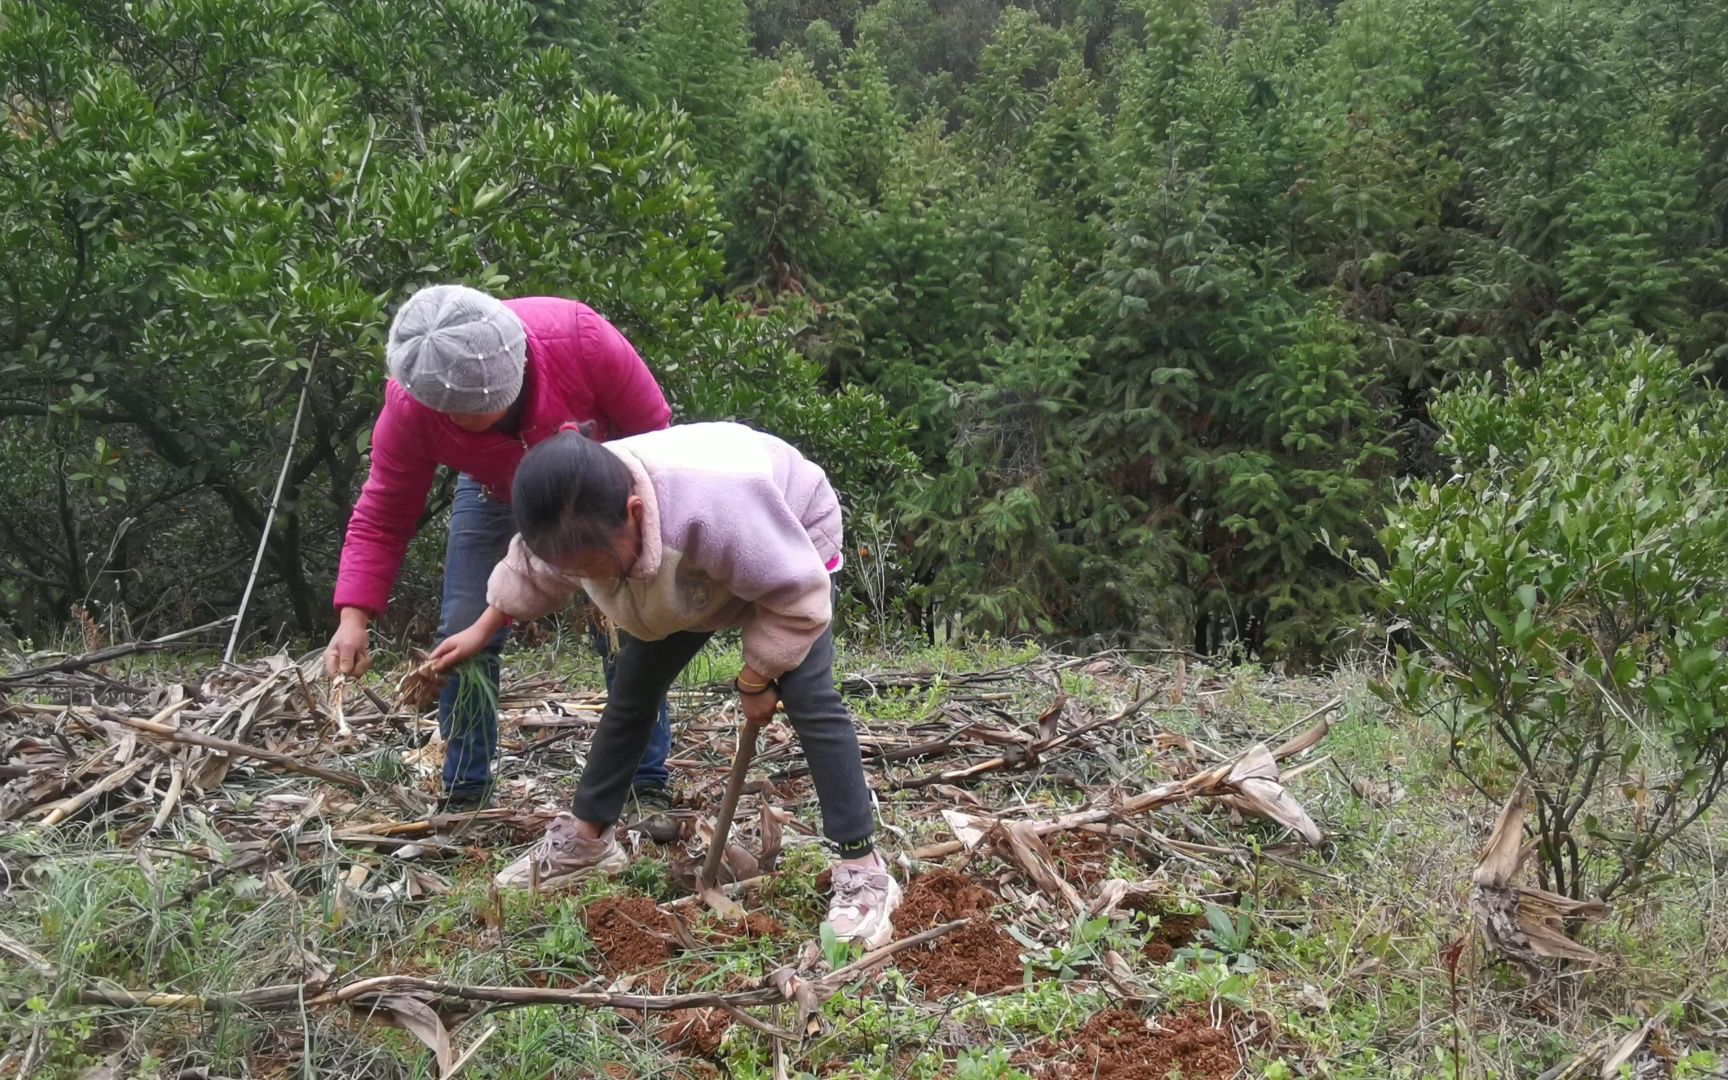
(1116, 321)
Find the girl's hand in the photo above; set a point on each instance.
(759, 707)
(467, 644)
(458, 648)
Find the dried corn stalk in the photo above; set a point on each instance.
(1254, 776)
(1249, 782)
(1521, 923)
(420, 687)
(1641, 1054)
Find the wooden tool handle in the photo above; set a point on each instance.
(729, 804)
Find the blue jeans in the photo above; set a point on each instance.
(480, 532)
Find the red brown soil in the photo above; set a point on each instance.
(1174, 930)
(696, 1031)
(630, 932)
(759, 926)
(978, 957)
(755, 927)
(1117, 1045)
(1084, 856)
(938, 897)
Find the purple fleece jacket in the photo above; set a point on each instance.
(738, 530)
(579, 368)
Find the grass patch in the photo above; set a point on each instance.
(1331, 956)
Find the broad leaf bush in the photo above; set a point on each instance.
(1156, 294)
(204, 206)
(1566, 587)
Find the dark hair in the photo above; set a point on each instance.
(570, 495)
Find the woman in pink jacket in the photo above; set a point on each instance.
(474, 383)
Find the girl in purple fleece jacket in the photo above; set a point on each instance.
(675, 534)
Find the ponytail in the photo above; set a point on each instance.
(570, 495)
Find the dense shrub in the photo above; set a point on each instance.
(204, 207)
(1566, 590)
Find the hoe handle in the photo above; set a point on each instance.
(729, 805)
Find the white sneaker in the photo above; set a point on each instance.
(562, 858)
(865, 898)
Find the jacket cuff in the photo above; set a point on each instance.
(774, 658)
(366, 592)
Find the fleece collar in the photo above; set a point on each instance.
(648, 559)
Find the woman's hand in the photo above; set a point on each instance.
(347, 654)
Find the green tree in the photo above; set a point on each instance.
(929, 49)
(1639, 257)
(1566, 590)
(788, 187)
(1012, 87)
(1023, 532)
(695, 54)
(774, 23)
(208, 209)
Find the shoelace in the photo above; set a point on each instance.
(850, 886)
(554, 841)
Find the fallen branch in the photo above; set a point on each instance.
(1248, 782)
(182, 737)
(280, 996)
(115, 652)
(70, 805)
(362, 993)
(865, 683)
(1028, 756)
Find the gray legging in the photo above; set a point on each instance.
(645, 671)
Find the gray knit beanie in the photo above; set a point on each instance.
(457, 350)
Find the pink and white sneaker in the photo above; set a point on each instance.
(862, 909)
(562, 858)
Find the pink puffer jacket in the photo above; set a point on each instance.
(579, 368)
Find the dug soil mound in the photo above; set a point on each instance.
(696, 1031)
(630, 932)
(1174, 930)
(938, 897)
(978, 957)
(1119, 1045)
